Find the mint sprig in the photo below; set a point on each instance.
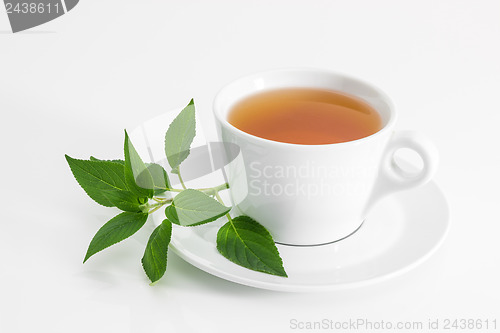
(179, 137)
(193, 207)
(115, 230)
(247, 243)
(137, 175)
(104, 182)
(154, 260)
(134, 187)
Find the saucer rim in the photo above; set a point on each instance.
(275, 285)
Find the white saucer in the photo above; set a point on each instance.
(400, 233)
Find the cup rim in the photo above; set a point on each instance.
(223, 118)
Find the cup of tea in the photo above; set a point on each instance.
(316, 152)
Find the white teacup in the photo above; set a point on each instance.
(316, 194)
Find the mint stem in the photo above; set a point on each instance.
(180, 177)
(154, 209)
(214, 190)
(158, 205)
(160, 202)
(161, 199)
(222, 202)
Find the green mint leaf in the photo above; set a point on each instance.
(115, 230)
(193, 207)
(171, 214)
(154, 260)
(247, 243)
(137, 174)
(104, 182)
(161, 182)
(179, 137)
(122, 162)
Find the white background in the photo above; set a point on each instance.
(72, 85)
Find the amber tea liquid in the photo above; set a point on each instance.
(305, 116)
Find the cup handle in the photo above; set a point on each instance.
(392, 177)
